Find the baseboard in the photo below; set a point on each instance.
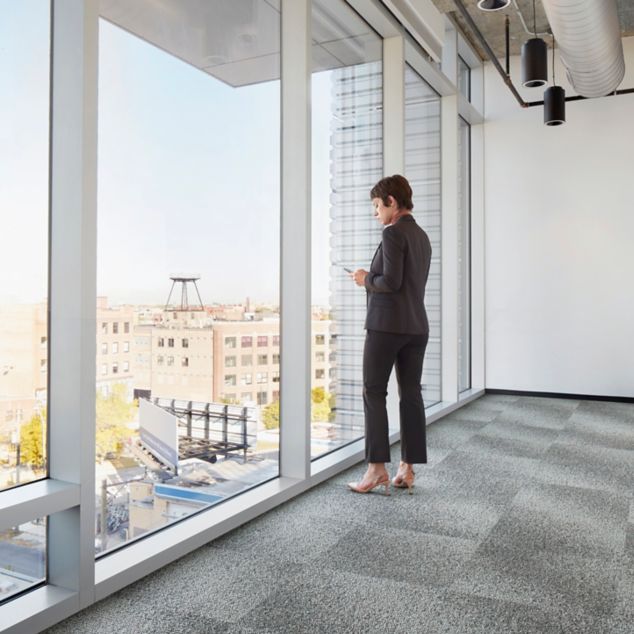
(584, 397)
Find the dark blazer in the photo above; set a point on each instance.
(396, 282)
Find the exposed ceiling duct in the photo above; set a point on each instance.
(589, 39)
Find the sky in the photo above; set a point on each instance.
(188, 172)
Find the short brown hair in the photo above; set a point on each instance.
(395, 186)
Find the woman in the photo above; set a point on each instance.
(397, 334)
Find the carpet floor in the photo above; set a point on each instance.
(522, 521)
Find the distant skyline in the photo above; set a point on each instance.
(188, 172)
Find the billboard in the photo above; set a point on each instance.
(159, 433)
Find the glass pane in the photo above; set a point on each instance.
(188, 260)
(464, 78)
(24, 135)
(346, 163)
(22, 557)
(464, 255)
(422, 168)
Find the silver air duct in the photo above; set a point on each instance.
(589, 39)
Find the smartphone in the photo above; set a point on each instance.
(347, 270)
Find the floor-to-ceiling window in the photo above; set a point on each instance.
(347, 160)
(464, 255)
(422, 168)
(24, 256)
(188, 339)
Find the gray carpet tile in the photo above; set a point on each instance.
(294, 538)
(399, 554)
(549, 413)
(522, 521)
(613, 429)
(513, 439)
(562, 519)
(452, 433)
(566, 583)
(588, 467)
(445, 511)
(485, 470)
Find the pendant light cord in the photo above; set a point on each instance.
(553, 59)
(534, 20)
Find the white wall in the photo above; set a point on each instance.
(559, 231)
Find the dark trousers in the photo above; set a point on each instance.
(382, 351)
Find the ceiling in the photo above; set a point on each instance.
(492, 23)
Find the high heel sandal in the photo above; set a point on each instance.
(357, 488)
(404, 481)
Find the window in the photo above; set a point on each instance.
(160, 359)
(276, 359)
(24, 559)
(126, 366)
(464, 256)
(262, 398)
(43, 366)
(347, 151)
(246, 396)
(247, 379)
(43, 341)
(422, 138)
(104, 369)
(230, 362)
(126, 346)
(126, 327)
(115, 348)
(320, 373)
(276, 377)
(115, 328)
(132, 63)
(115, 368)
(320, 357)
(104, 327)
(104, 348)
(263, 341)
(247, 359)
(161, 342)
(276, 340)
(263, 359)
(276, 395)
(262, 377)
(464, 78)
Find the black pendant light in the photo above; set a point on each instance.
(534, 59)
(554, 101)
(493, 5)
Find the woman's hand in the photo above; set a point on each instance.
(359, 277)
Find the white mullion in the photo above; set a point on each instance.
(449, 255)
(295, 370)
(393, 154)
(73, 290)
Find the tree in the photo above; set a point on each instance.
(113, 413)
(271, 415)
(321, 405)
(32, 441)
